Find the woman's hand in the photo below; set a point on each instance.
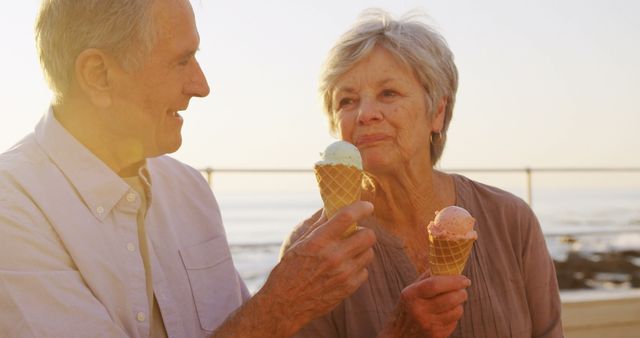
(430, 307)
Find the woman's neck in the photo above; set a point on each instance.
(407, 200)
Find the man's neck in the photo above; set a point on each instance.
(86, 125)
(132, 170)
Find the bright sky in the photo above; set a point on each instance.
(542, 83)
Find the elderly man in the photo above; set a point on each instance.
(101, 234)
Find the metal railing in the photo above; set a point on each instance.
(527, 171)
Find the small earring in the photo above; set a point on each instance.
(440, 136)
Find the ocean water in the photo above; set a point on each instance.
(257, 218)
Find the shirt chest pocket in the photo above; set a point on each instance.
(213, 279)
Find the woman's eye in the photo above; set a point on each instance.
(389, 93)
(345, 101)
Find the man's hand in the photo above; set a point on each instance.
(430, 307)
(322, 267)
(316, 273)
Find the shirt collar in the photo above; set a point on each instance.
(99, 187)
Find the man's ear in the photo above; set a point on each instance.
(92, 75)
(437, 124)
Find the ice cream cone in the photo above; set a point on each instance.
(448, 256)
(451, 237)
(340, 185)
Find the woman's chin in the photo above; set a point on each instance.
(377, 165)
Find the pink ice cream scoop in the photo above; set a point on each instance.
(453, 223)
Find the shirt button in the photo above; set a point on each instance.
(140, 316)
(131, 247)
(100, 210)
(131, 196)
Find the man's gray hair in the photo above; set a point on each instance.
(65, 28)
(412, 42)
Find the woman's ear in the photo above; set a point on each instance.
(92, 75)
(437, 123)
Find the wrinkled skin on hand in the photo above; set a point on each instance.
(430, 307)
(322, 268)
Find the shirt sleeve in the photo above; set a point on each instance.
(42, 294)
(543, 297)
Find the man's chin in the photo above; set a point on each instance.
(171, 149)
(164, 149)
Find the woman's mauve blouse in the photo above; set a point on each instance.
(514, 291)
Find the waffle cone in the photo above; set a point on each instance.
(448, 257)
(340, 185)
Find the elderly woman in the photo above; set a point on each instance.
(389, 88)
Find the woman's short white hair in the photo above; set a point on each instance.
(412, 42)
(65, 28)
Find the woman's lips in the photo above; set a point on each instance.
(367, 140)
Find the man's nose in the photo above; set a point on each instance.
(197, 86)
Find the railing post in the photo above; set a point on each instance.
(209, 172)
(529, 189)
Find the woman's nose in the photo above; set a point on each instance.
(369, 112)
